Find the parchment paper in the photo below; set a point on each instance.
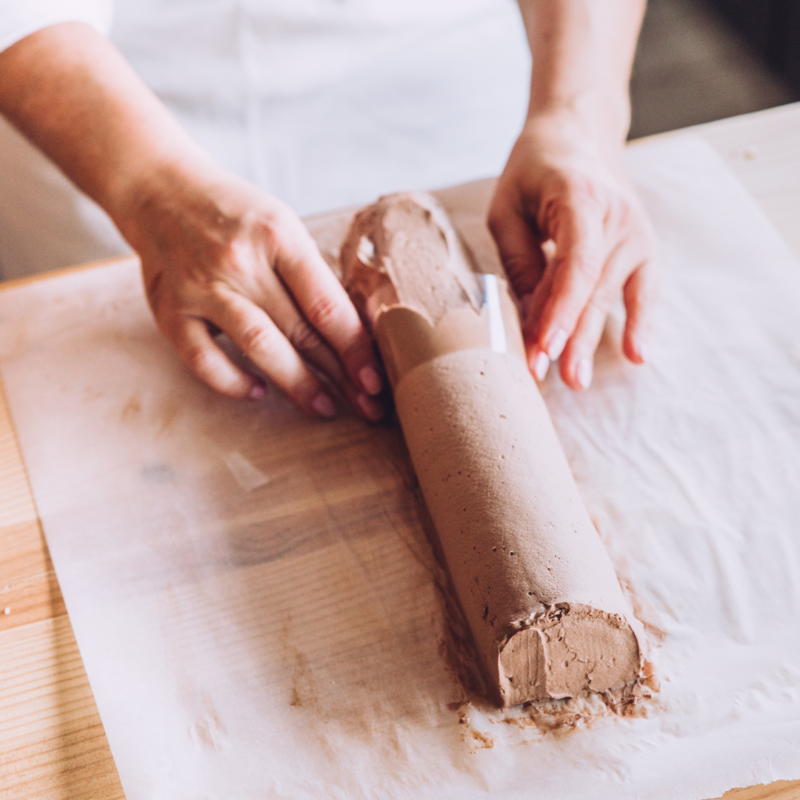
(254, 598)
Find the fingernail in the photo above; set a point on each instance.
(370, 408)
(323, 405)
(370, 380)
(540, 365)
(257, 391)
(556, 344)
(583, 373)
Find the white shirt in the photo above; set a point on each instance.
(324, 103)
(19, 18)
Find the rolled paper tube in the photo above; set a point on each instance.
(536, 585)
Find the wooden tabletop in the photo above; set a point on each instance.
(52, 742)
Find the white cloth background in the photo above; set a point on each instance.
(18, 18)
(325, 103)
(253, 628)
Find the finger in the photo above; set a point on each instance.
(326, 306)
(316, 351)
(639, 294)
(538, 360)
(580, 254)
(524, 262)
(518, 245)
(578, 357)
(193, 342)
(259, 338)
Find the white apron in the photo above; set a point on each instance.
(323, 103)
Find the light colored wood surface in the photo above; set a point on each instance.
(763, 149)
(52, 743)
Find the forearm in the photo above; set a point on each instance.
(70, 92)
(582, 54)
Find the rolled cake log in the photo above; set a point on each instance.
(536, 585)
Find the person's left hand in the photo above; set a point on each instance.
(567, 188)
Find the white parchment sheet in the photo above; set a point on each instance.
(254, 598)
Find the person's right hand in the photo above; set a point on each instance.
(220, 255)
(217, 253)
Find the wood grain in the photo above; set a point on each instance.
(52, 743)
(780, 790)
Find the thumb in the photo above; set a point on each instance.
(519, 246)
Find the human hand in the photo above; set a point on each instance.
(571, 235)
(219, 255)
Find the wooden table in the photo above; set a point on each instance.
(52, 742)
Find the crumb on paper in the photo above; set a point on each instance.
(535, 720)
(474, 738)
(248, 476)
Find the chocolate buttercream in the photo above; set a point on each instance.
(536, 585)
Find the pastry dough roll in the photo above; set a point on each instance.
(536, 585)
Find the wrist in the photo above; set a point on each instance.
(600, 117)
(147, 194)
(566, 133)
